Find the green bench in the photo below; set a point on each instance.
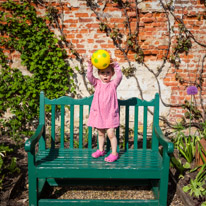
(54, 159)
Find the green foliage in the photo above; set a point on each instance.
(183, 44)
(194, 116)
(191, 109)
(197, 186)
(203, 204)
(122, 4)
(203, 130)
(177, 163)
(3, 151)
(8, 168)
(85, 134)
(13, 166)
(201, 151)
(186, 145)
(129, 72)
(23, 31)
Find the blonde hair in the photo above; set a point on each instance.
(110, 66)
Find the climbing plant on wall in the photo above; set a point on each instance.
(24, 32)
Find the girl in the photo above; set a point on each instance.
(104, 112)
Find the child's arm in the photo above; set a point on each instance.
(118, 72)
(90, 76)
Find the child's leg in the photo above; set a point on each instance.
(100, 152)
(101, 136)
(113, 140)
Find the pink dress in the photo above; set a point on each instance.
(104, 112)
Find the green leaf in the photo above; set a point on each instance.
(186, 188)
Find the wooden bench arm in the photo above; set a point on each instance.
(31, 142)
(165, 142)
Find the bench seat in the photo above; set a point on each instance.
(67, 163)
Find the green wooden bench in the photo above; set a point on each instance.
(140, 158)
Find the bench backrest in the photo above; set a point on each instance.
(132, 134)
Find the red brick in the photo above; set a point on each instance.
(132, 14)
(99, 41)
(74, 41)
(90, 40)
(83, 31)
(81, 46)
(70, 21)
(93, 25)
(116, 20)
(70, 36)
(79, 36)
(148, 20)
(82, 20)
(82, 15)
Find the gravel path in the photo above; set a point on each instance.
(113, 192)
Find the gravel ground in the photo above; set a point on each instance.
(113, 192)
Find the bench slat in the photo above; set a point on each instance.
(89, 134)
(145, 128)
(71, 126)
(136, 118)
(90, 138)
(55, 172)
(99, 202)
(118, 131)
(62, 126)
(53, 126)
(81, 126)
(65, 100)
(135, 101)
(126, 127)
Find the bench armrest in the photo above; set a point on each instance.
(165, 142)
(31, 142)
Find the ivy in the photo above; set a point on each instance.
(25, 32)
(183, 44)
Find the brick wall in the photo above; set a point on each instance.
(156, 29)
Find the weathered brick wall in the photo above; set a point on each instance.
(157, 30)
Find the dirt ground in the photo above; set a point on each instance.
(15, 187)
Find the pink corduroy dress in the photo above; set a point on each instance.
(104, 112)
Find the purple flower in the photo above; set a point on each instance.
(192, 90)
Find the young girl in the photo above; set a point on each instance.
(104, 112)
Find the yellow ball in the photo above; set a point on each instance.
(100, 59)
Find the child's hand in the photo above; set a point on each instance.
(113, 63)
(89, 61)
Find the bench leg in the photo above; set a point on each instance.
(155, 188)
(33, 185)
(164, 181)
(163, 192)
(41, 185)
(33, 192)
